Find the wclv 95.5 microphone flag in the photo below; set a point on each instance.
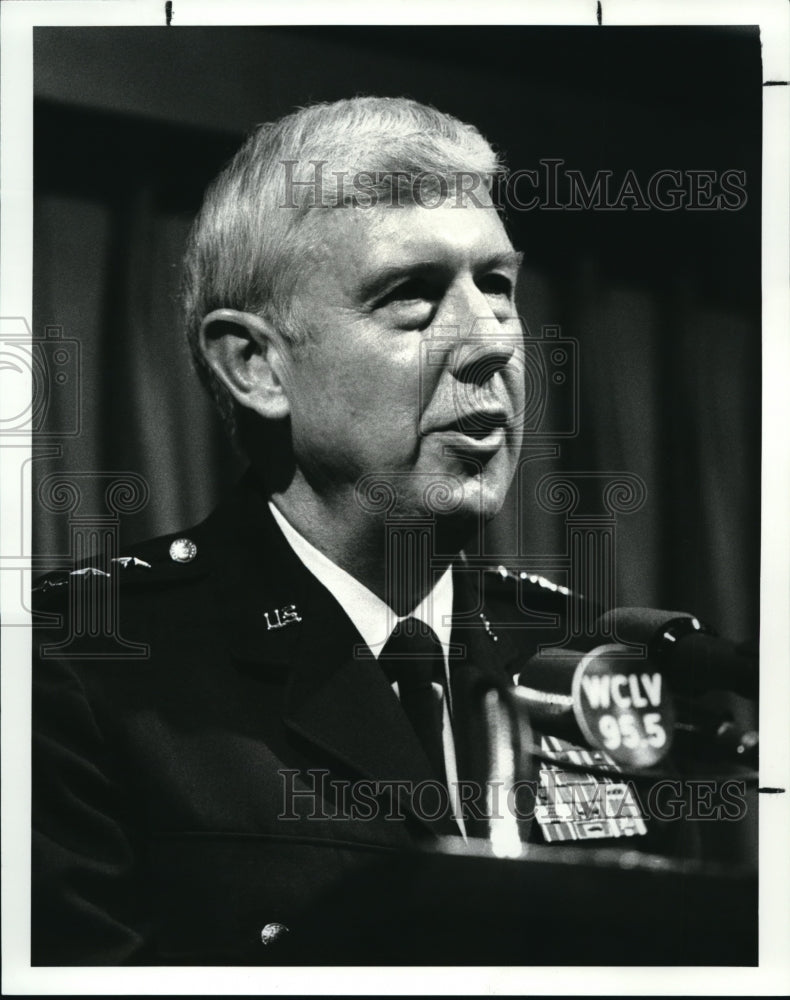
(606, 698)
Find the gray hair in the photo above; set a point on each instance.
(253, 232)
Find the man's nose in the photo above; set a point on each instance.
(487, 335)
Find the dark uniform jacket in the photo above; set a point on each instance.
(164, 827)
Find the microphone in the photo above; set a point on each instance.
(688, 654)
(606, 698)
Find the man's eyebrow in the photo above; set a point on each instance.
(511, 258)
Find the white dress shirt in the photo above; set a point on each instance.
(375, 620)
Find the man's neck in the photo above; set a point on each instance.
(397, 561)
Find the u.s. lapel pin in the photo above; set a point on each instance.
(280, 617)
(487, 627)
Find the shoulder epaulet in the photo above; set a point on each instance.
(511, 577)
(173, 558)
(167, 559)
(532, 591)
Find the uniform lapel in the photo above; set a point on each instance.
(340, 700)
(337, 698)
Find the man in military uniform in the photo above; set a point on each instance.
(318, 650)
(350, 303)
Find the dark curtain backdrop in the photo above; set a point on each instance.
(131, 124)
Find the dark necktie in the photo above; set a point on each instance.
(413, 657)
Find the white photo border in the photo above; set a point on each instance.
(772, 977)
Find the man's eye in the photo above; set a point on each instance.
(495, 284)
(414, 290)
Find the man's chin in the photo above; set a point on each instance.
(482, 500)
(451, 495)
(467, 508)
(457, 502)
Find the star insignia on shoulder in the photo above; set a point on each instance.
(126, 561)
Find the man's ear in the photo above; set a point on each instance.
(246, 354)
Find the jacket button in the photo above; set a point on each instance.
(271, 932)
(183, 550)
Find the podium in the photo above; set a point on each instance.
(460, 905)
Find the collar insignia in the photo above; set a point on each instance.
(280, 617)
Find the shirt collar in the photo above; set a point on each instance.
(373, 618)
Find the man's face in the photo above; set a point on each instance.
(413, 368)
